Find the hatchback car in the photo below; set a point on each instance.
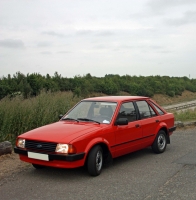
(95, 130)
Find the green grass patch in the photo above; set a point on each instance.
(188, 115)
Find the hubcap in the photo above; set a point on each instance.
(99, 160)
(161, 141)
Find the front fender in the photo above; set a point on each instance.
(94, 142)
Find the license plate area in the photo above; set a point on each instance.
(38, 156)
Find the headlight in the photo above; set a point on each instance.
(20, 143)
(65, 148)
(62, 148)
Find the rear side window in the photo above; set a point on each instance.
(158, 109)
(145, 110)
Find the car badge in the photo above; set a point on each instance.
(39, 146)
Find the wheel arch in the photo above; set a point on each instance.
(163, 127)
(98, 141)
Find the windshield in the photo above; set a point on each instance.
(92, 111)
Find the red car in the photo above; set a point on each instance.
(95, 130)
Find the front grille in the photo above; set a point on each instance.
(37, 146)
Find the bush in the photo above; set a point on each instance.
(171, 93)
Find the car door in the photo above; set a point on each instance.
(149, 121)
(127, 137)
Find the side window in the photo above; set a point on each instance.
(152, 112)
(158, 109)
(127, 110)
(145, 110)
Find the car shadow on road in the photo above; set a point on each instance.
(133, 156)
(81, 172)
(58, 173)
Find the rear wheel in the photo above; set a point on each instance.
(95, 161)
(160, 143)
(36, 166)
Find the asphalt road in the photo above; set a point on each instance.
(140, 175)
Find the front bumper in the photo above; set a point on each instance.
(69, 158)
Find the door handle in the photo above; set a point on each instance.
(137, 125)
(157, 121)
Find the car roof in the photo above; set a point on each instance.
(115, 98)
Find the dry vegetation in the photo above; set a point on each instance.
(166, 100)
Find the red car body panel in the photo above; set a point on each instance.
(83, 135)
(62, 131)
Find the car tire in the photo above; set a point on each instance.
(36, 166)
(160, 142)
(95, 161)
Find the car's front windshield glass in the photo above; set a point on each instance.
(92, 111)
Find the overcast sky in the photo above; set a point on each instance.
(76, 37)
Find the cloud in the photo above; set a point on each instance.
(46, 52)
(63, 52)
(10, 43)
(104, 33)
(44, 44)
(165, 52)
(100, 46)
(156, 47)
(189, 17)
(84, 32)
(52, 33)
(158, 5)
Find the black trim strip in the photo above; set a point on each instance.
(172, 129)
(73, 157)
(20, 151)
(132, 141)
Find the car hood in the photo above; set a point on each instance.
(61, 132)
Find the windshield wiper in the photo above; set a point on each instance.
(70, 119)
(88, 120)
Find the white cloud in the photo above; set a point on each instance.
(10, 43)
(187, 18)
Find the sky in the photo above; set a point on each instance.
(76, 37)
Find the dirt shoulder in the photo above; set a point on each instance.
(11, 163)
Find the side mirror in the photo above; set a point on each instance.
(121, 121)
(60, 116)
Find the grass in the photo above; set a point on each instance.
(19, 115)
(187, 115)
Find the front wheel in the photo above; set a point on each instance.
(160, 142)
(95, 161)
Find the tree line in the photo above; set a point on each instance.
(111, 84)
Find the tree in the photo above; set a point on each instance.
(109, 87)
